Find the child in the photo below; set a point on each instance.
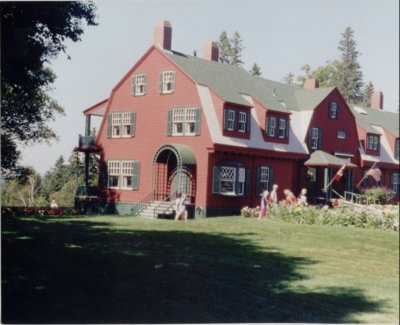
(264, 205)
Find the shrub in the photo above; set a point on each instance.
(380, 195)
(377, 217)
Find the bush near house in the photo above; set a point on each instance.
(382, 217)
(31, 211)
(380, 195)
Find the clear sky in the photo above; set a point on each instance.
(279, 35)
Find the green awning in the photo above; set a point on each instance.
(183, 153)
(323, 159)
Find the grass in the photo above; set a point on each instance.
(108, 269)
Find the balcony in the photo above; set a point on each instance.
(87, 143)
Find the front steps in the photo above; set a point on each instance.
(156, 208)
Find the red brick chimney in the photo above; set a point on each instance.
(163, 35)
(377, 100)
(211, 51)
(311, 84)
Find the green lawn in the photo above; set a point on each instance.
(110, 269)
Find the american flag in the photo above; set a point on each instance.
(375, 172)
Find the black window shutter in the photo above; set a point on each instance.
(135, 174)
(259, 188)
(197, 122)
(216, 184)
(109, 126)
(169, 122)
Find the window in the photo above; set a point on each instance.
(230, 120)
(396, 183)
(271, 126)
(373, 142)
(123, 174)
(283, 129)
(139, 84)
(230, 180)
(242, 121)
(184, 121)
(397, 149)
(315, 138)
(167, 82)
(264, 179)
(341, 134)
(333, 110)
(121, 125)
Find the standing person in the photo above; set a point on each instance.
(302, 199)
(290, 199)
(273, 198)
(53, 204)
(180, 207)
(264, 205)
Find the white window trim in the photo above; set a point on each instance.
(242, 122)
(188, 116)
(167, 79)
(282, 129)
(271, 126)
(395, 182)
(119, 121)
(265, 174)
(140, 84)
(373, 141)
(230, 120)
(341, 135)
(314, 138)
(333, 108)
(231, 170)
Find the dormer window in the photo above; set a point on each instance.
(167, 82)
(237, 121)
(373, 142)
(333, 110)
(277, 127)
(139, 84)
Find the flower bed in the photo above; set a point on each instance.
(385, 217)
(40, 211)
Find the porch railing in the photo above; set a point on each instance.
(358, 198)
(143, 204)
(165, 205)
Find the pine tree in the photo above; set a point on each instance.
(224, 46)
(236, 49)
(367, 93)
(255, 70)
(349, 70)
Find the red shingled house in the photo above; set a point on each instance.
(179, 123)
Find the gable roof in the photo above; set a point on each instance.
(231, 82)
(368, 118)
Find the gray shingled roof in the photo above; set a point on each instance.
(373, 116)
(230, 82)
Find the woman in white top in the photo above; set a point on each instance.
(180, 207)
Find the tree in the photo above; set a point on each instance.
(33, 33)
(349, 70)
(288, 79)
(230, 49)
(224, 46)
(327, 75)
(367, 93)
(236, 49)
(255, 70)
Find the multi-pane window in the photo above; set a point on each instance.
(230, 120)
(333, 110)
(113, 174)
(236, 120)
(264, 179)
(242, 122)
(167, 82)
(315, 138)
(341, 134)
(282, 128)
(123, 174)
(271, 127)
(121, 124)
(230, 180)
(184, 121)
(139, 84)
(396, 183)
(373, 142)
(227, 179)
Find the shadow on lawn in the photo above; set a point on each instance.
(85, 272)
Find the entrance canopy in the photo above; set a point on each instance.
(183, 153)
(323, 159)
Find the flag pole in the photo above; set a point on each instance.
(366, 175)
(333, 179)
